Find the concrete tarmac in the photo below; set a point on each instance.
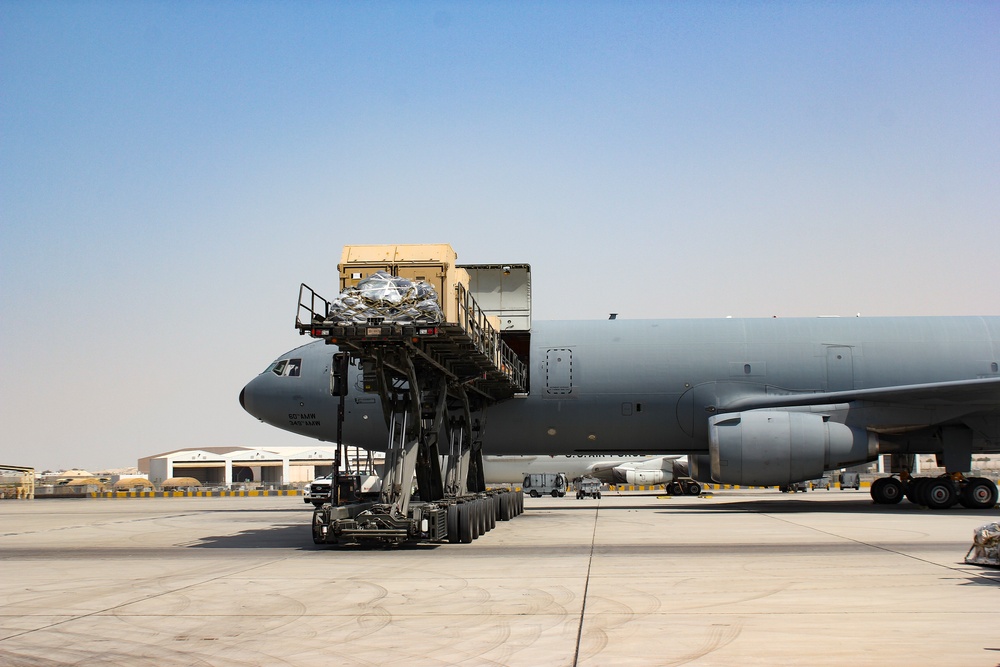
(749, 577)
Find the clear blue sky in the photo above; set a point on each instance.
(170, 172)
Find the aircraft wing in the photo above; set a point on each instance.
(978, 392)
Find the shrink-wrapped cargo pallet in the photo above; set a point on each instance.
(391, 298)
(985, 546)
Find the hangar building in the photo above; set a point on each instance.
(222, 466)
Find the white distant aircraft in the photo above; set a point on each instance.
(635, 470)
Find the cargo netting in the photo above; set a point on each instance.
(394, 299)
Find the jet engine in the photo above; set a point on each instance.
(775, 447)
(625, 475)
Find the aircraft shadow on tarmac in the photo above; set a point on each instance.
(781, 505)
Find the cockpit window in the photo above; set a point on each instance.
(287, 367)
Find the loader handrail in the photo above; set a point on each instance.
(308, 300)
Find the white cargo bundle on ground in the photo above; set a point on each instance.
(985, 546)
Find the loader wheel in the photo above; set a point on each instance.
(452, 516)
(465, 523)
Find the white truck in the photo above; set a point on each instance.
(317, 491)
(545, 484)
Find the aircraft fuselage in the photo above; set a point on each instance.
(650, 386)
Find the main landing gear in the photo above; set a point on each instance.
(977, 493)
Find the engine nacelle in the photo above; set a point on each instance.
(641, 477)
(700, 466)
(776, 447)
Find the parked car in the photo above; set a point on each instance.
(795, 486)
(588, 487)
(850, 480)
(317, 491)
(821, 483)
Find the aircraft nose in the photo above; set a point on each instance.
(249, 399)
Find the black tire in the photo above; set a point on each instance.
(319, 520)
(887, 491)
(979, 493)
(534, 494)
(465, 523)
(939, 494)
(478, 519)
(693, 489)
(452, 516)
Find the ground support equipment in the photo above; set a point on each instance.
(435, 383)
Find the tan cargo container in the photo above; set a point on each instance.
(433, 263)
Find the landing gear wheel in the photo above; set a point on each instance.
(887, 491)
(912, 490)
(939, 494)
(979, 494)
(674, 489)
(693, 489)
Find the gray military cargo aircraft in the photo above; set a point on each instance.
(764, 402)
